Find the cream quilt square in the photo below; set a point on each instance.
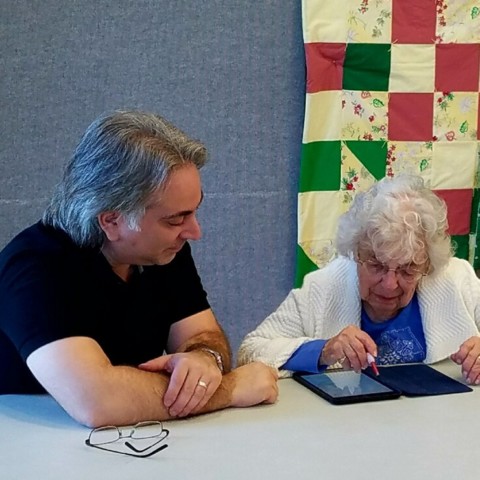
(322, 22)
(364, 115)
(355, 177)
(323, 113)
(369, 21)
(455, 116)
(410, 157)
(454, 165)
(459, 21)
(318, 214)
(412, 68)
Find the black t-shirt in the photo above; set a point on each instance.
(52, 289)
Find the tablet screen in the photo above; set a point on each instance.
(341, 387)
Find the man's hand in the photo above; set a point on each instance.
(468, 356)
(350, 348)
(252, 384)
(194, 378)
(81, 378)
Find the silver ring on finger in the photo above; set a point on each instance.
(202, 384)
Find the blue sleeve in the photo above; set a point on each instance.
(305, 357)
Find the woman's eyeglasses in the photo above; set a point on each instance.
(106, 436)
(407, 273)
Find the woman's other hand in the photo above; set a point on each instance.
(468, 356)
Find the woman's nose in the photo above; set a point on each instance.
(390, 279)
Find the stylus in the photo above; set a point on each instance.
(373, 365)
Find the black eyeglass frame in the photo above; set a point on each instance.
(164, 433)
(129, 445)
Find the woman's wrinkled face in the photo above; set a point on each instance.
(386, 288)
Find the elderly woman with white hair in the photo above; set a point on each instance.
(395, 291)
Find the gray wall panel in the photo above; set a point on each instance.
(230, 73)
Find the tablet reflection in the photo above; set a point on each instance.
(341, 384)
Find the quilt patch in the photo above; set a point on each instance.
(392, 86)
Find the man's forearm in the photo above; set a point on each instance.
(78, 374)
(245, 386)
(129, 395)
(215, 340)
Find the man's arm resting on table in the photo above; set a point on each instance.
(200, 332)
(77, 373)
(200, 355)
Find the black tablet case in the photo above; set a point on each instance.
(415, 380)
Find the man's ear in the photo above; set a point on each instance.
(109, 223)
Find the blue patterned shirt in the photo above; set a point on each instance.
(399, 340)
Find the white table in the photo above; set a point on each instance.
(301, 437)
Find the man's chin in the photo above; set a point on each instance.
(166, 258)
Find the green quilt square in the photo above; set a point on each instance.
(373, 155)
(475, 240)
(367, 67)
(461, 245)
(474, 223)
(304, 266)
(320, 166)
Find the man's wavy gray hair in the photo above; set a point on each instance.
(397, 220)
(122, 159)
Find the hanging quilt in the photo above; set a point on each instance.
(392, 86)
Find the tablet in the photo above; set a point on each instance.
(418, 380)
(341, 387)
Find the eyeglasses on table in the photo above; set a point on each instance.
(104, 437)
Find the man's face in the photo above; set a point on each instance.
(169, 222)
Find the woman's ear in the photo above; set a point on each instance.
(109, 223)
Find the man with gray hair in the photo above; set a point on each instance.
(101, 303)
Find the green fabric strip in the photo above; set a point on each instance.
(320, 166)
(373, 155)
(366, 67)
(304, 266)
(461, 245)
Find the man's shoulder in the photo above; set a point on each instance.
(37, 243)
(36, 237)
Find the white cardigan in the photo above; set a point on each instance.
(329, 300)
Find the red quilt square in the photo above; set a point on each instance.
(324, 66)
(457, 67)
(414, 21)
(478, 119)
(459, 204)
(410, 117)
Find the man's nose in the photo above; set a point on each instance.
(192, 229)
